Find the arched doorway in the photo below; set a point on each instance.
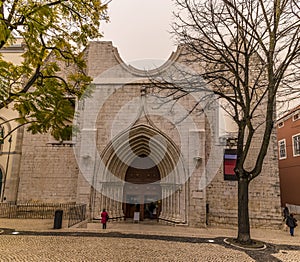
(117, 188)
(142, 190)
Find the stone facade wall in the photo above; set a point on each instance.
(48, 173)
(120, 108)
(264, 194)
(100, 56)
(51, 173)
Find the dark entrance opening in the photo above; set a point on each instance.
(142, 192)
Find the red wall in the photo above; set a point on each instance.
(289, 168)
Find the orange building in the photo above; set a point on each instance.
(288, 136)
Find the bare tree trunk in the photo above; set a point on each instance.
(243, 211)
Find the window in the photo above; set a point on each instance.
(296, 116)
(64, 139)
(282, 149)
(280, 124)
(296, 145)
(63, 136)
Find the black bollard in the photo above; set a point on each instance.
(58, 219)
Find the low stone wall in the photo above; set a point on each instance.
(294, 209)
(268, 223)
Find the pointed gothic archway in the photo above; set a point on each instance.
(119, 155)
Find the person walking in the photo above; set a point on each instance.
(291, 223)
(285, 213)
(104, 218)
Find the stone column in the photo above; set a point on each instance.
(119, 193)
(163, 202)
(177, 205)
(167, 209)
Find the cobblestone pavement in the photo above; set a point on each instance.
(35, 240)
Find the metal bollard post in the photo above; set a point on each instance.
(58, 219)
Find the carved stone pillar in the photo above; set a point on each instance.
(163, 202)
(120, 213)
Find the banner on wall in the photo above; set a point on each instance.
(230, 157)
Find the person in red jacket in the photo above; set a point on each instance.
(104, 218)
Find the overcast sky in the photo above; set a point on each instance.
(140, 29)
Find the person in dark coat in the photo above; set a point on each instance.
(285, 213)
(104, 218)
(291, 223)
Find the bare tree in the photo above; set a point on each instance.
(248, 53)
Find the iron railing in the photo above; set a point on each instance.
(75, 213)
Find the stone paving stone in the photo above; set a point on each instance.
(41, 248)
(38, 241)
(288, 256)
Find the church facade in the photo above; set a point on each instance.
(135, 152)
